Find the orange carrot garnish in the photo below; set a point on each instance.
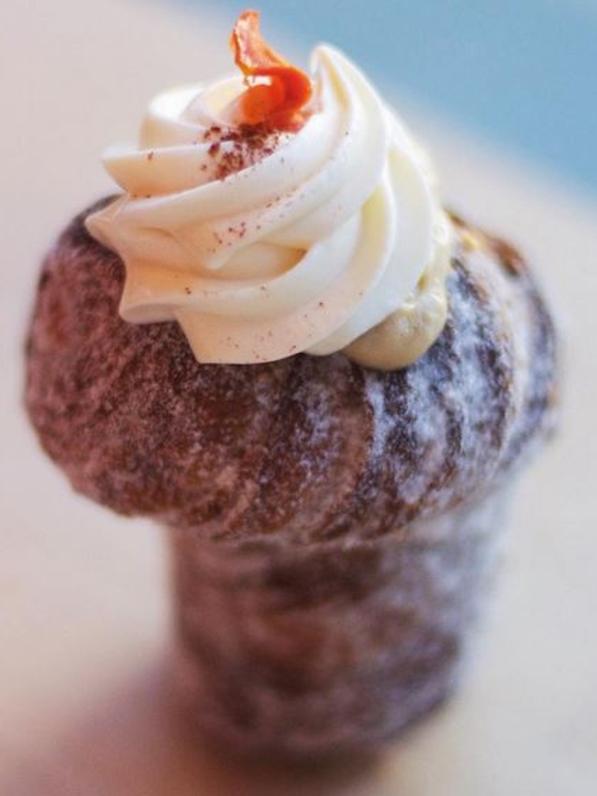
(278, 103)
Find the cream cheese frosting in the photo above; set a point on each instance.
(264, 244)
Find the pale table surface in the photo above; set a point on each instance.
(85, 706)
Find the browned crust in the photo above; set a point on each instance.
(307, 447)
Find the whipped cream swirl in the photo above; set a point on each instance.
(310, 241)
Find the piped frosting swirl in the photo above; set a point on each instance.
(263, 243)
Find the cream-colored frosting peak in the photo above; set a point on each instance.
(304, 242)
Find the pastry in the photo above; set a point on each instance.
(276, 343)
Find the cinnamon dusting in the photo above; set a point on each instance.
(250, 143)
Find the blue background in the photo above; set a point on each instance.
(520, 72)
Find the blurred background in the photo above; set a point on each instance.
(521, 73)
(504, 94)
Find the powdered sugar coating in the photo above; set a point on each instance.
(355, 511)
(306, 448)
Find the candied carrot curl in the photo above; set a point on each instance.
(280, 102)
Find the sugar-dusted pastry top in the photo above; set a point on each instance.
(306, 447)
(292, 214)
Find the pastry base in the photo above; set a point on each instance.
(332, 647)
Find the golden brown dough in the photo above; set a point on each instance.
(333, 527)
(307, 447)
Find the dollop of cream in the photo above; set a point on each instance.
(327, 239)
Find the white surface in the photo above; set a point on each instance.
(84, 707)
